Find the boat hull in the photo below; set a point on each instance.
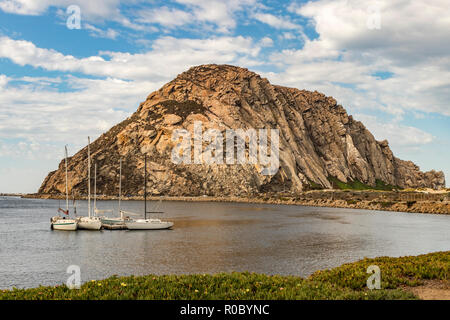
(114, 226)
(114, 223)
(86, 223)
(148, 224)
(65, 225)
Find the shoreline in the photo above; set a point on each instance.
(412, 202)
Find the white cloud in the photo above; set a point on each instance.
(276, 22)
(225, 45)
(165, 16)
(25, 7)
(342, 61)
(218, 12)
(288, 36)
(29, 149)
(89, 9)
(95, 12)
(168, 57)
(3, 81)
(96, 32)
(266, 42)
(398, 135)
(410, 31)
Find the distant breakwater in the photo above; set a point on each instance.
(415, 202)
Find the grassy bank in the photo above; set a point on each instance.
(358, 185)
(348, 281)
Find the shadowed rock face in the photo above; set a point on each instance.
(317, 140)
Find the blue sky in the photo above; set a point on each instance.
(386, 62)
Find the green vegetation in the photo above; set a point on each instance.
(395, 272)
(358, 185)
(314, 186)
(354, 185)
(345, 282)
(381, 185)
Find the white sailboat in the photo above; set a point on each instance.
(91, 222)
(61, 223)
(147, 224)
(116, 223)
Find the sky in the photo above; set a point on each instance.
(73, 68)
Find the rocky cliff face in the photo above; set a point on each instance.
(317, 139)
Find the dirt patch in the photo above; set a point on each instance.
(432, 290)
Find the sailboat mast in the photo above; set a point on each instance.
(89, 177)
(95, 188)
(67, 188)
(145, 187)
(120, 186)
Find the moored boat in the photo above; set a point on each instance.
(61, 223)
(91, 222)
(113, 223)
(147, 224)
(116, 223)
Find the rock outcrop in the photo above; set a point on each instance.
(317, 139)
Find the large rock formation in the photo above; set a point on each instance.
(318, 140)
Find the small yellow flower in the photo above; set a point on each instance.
(123, 284)
(196, 290)
(247, 290)
(99, 284)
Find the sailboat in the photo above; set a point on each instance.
(116, 223)
(97, 211)
(91, 222)
(61, 223)
(147, 224)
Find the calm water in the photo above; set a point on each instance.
(207, 238)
